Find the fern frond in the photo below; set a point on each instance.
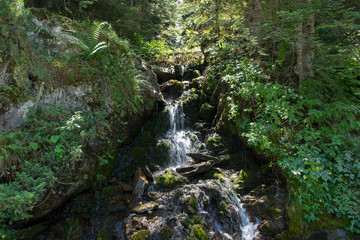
(99, 46)
(97, 29)
(80, 43)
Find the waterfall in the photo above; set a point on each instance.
(180, 139)
(182, 142)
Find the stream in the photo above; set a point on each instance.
(185, 187)
(175, 209)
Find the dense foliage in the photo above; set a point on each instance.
(298, 102)
(292, 70)
(44, 155)
(57, 142)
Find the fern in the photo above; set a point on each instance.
(90, 44)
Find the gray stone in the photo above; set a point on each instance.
(189, 170)
(140, 183)
(164, 74)
(200, 157)
(172, 89)
(146, 207)
(15, 116)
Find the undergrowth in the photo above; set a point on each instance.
(311, 133)
(48, 152)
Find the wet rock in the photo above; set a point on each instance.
(219, 236)
(215, 143)
(179, 71)
(140, 183)
(200, 157)
(172, 89)
(196, 82)
(242, 179)
(190, 170)
(148, 173)
(169, 179)
(141, 235)
(15, 116)
(135, 224)
(267, 203)
(207, 112)
(164, 74)
(146, 207)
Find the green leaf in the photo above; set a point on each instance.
(34, 146)
(54, 138)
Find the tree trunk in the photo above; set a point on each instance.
(304, 48)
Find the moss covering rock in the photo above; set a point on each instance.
(207, 112)
(165, 233)
(198, 233)
(242, 179)
(215, 143)
(172, 89)
(141, 235)
(169, 179)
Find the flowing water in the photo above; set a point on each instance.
(181, 141)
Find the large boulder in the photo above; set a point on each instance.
(207, 112)
(164, 74)
(172, 89)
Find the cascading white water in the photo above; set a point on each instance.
(248, 229)
(239, 216)
(180, 139)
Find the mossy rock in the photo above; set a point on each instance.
(161, 154)
(216, 174)
(163, 145)
(164, 233)
(168, 180)
(193, 203)
(141, 235)
(223, 207)
(207, 112)
(192, 220)
(243, 179)
(172, 88)
(215, 143)
(197, 232)
(191, 106)
(190, 203)
(137, 156)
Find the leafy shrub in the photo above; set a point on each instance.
(45, 154)
(312, 135)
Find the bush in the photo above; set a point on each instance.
(313, 136)
(48, 151)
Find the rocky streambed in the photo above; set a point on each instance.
(181, 178)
